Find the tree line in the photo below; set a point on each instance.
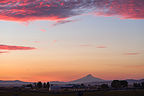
(121, 84)
(116, 84)
(39, 85)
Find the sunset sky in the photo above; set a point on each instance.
(62, 40)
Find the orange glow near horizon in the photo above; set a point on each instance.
(34, 70)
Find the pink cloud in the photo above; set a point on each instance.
(1, 52)
(126, 9)
(86, 45)
(26, 23)
(43, 30)
(29, 10)
(8, 47)
(36, 41)
(101, 47)
(55, 41)
(132, 53)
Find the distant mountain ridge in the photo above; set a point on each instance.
(86, 79)
(91, 79)
(10, 81)
(13, 83)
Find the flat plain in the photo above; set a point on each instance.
(138, 92)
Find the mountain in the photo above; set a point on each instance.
(57, 82)
(12, 83)
(87, 79)
(131, 81)
(141, 80)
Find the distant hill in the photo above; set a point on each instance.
(141, 80)
(57, 82)
(87, 79)
(10, 81)
(131, 81)
(13, 83)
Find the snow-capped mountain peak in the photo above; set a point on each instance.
(87, 78)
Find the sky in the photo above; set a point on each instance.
(62, 40)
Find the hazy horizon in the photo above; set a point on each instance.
(77, 79)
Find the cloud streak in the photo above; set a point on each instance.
(63, 22)
(132, 53)
(85, 45)
(28, 10)
(8, 47)
(101, 47)
(1, 52)
(43, 30)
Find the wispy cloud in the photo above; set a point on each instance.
(9, 47)
(36, 41)
(63, 22)
(89, 45)
(85, 45)
(54, 41)
(43, 30)
(28, 10)
(131, 53)
(139, 66)
(1, 52)
(26, 23)
(101, 47)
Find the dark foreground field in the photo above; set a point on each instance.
(96, 93)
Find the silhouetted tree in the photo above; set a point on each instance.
(44, 85)
(124, 83)
(116, 84)
(82, 85)
(142, 84)
(80, 93)
(29, 85)
(119, 84)
(39, 84)
(104, 86)
(48, 86)
(35, 85)
(136, 85)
